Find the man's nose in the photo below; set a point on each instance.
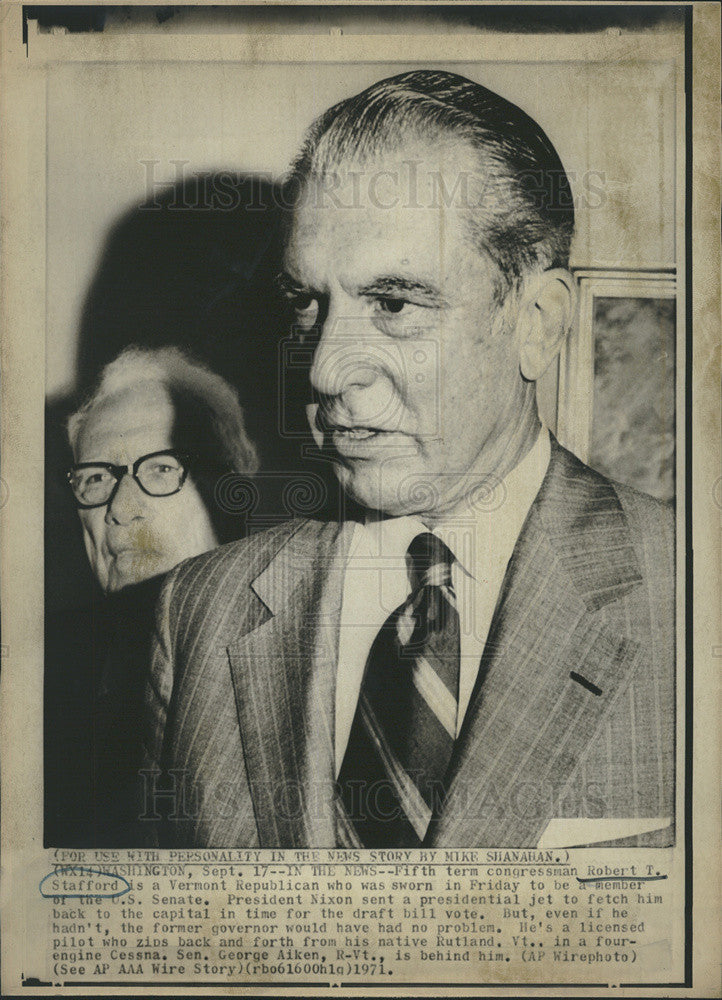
(127, 503)
(347, 356)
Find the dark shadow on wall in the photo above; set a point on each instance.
(195, 267)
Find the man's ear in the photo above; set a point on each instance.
(544, 318)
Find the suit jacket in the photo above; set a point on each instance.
(96, 664)
(571, 718)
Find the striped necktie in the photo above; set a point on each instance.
(392, 777)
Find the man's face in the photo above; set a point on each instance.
(417, 380)
(136, 536)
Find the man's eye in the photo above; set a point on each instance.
(399, 317)
(305, 306)
(303, 302)
(93, 478)
(393, 306)
(163, 466)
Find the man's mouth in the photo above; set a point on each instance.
(131, 548)
(352, 440)
(327, 425)
(356, 433)
(361, 442)
(119, 550)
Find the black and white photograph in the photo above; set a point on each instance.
(405, 283)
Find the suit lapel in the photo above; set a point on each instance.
(284, 682)
(551, 667)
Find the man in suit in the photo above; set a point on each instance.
(149, 444)
(484, 654)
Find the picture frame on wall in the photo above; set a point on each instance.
(617, 397)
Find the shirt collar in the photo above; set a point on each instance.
(486, 533)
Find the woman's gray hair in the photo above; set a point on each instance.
(217, 423)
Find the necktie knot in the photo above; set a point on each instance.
(431, 561)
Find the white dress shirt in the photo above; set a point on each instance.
(376, 580)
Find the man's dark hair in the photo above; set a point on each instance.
(524, 217)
